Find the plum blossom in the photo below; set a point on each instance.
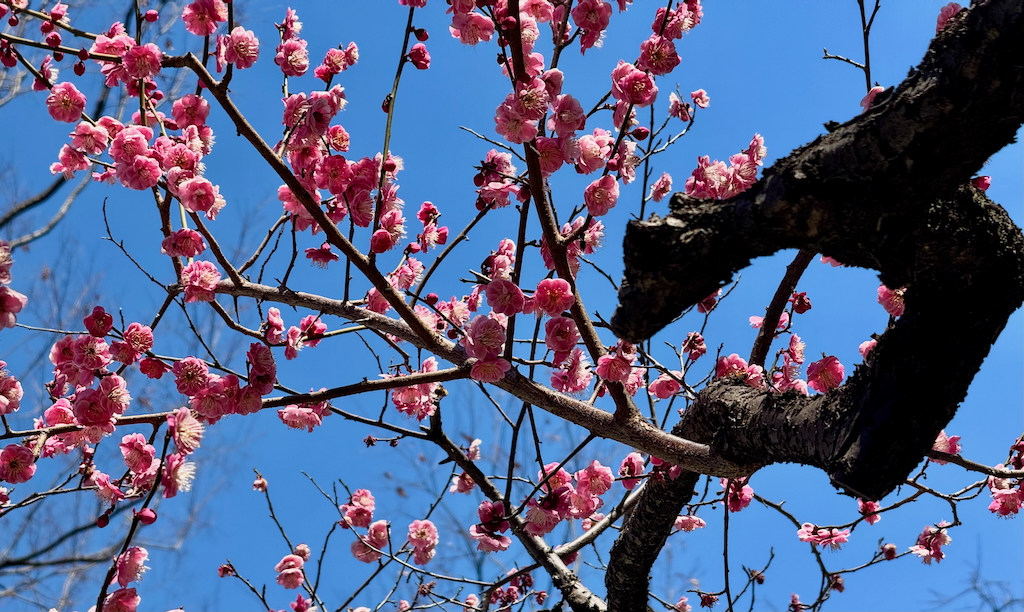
(892, 300)
(200, 279)
(601, 195)
(241, 48)
(946, 444)
(1007, 497)
(65, 103)
(930, 542)
(700, 98)
(825, 374)
(553, 296)
(366, 548)
(689, 522)
(17, 464)
(130, 565)
(738, 493)
(945, 14)
(423, 539)
(632, 465)
(289, 571)
(869, 509)
(661, 187)
(592, 17)
(833, 538)
(202, 16)
(632, 85)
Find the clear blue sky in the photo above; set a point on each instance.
(761, 65)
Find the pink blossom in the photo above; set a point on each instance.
(11, 392)
(1007, 498)
(376, 539)
(200, 279)
(632, 465)
(553, 296)
(202, 16)
(601, 195)
(304, 416)
(833, 538)
(504, 297)
(140, 173)
(99, 322)
(689, 522)
(17, 464)
(484, 337)
(200, 195)
(71, 161)
(614, 367)
(661, 187)
(658, 55)
(91, 353)
(190, 375)
(489, 370)
(892, 300)
(419, 56)
(567, 116)
(178, 475)
(423, 538)
(122, 600)
(511, 123)
(183, 243)
(65, 103)
(561, 336)
(665, 386)
(677, 108)
(142, 61)
(471, 27)
(274, 326)
(930, 542)
(138, 454)
(738, 493)
(700, 98)
(574, 374)
(130, 565)
(869, 99)
(870, 510)
(681, 605)
(825, 374)
(241, 48)
(866, 347)
(591, 16)
(982, 182)
(190, 110)
(289, 571)
(945, 14)
(950, 444)
(708, 304)
(153, 368)
(462, 483)
(185, 429)
(595, 479)
(293, 57)
(694, 346)
(730, 366)
(634, 86)
(114, 393)
(90, 139)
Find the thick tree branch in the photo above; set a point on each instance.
(887, 191)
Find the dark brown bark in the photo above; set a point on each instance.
(887, 191)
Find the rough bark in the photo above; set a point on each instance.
(887, 191)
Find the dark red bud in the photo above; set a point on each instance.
(421, 35)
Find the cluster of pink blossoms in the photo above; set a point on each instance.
(423, 539)
(417, 400)
(309, 332)
(716, 181)
(930, 542)
(833, 538)
(11, 301)
(289, 569)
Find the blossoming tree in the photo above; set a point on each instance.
(896, 189)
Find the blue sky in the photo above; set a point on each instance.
(762, 66)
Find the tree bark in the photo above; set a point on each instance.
(889, 191)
